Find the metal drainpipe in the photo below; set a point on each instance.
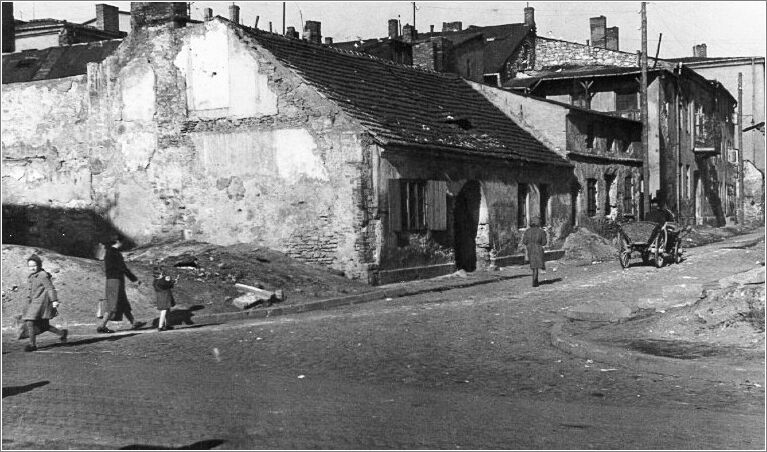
(678, 149)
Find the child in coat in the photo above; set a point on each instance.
(162, 286)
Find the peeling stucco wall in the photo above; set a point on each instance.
(160, 147)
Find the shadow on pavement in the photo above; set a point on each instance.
(549, 281)
(199, 445)
(182, 316)
(9, 391)
(94, 340)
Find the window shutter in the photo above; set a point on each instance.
(395, 207)
(436, 205)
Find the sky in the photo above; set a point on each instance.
(733, 28)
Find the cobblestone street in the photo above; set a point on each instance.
(465, 368)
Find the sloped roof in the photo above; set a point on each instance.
(55, 62)
(575, 72)
(402, 105)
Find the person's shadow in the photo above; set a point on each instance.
(549, 281)
(9, 391)
(182, 316)
(199, 445)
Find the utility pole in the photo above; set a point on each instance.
(740, 197)
(283, 18)
(414, 16)
(643, 102)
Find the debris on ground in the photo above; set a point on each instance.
(586, 247)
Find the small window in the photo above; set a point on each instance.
(413, 199)
(609, 180)
(591, 197)
(590, 136)
(544, 199)
(522, 192)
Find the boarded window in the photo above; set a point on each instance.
(626, 101)
(544, 201)
(415, 205)
(591, 197)
(522, 191)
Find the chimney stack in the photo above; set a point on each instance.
(207, 14)
(431, 29)
(699, 50)
(9, 28)
(393, 29)
(408, 33)
(291, 33)
(452, 26)
(313, 31)
(530, 16)
(611, 38)
(107, 17)
(149, 14)
(328, 41)
(234, 13)
(598, 26)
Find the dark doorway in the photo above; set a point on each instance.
(466, 222)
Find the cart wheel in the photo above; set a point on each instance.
(677, 253)
(625, 257)
(658, 255)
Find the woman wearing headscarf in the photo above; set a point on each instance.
(116, 305)
(534, 239)
(41, 305)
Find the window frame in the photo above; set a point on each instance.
(591, 197)
(523, 210)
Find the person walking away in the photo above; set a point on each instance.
(42, 304)
(534, 239)
(116, 305)
(162, 286)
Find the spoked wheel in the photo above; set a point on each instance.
(625, 257)
(658, 253)
(677, 253)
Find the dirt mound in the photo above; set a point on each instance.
(585, 247)
(207, 274)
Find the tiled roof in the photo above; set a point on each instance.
(55, 62)
(402, 105)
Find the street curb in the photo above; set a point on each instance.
(329, 303)
(641, 362)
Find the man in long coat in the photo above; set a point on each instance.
(534, 239)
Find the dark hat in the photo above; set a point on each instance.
(35, 258)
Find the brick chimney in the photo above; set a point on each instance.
(699, 50)
(149, 14)
(530, 16)
(234, 13)
(9, 28)
(435, 54)
(328, 41)
(313, 31)
(393, 29)
(408, 33)
(611, 38)
(107, 17)
(207, 14)
(291, 33)
(452, 26)
(598, 26)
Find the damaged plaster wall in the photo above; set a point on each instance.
(146, 142)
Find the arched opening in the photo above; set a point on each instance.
(466, 223)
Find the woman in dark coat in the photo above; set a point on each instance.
(535, 239)
(41, 305)
(116, 304)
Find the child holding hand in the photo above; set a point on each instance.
(162, 286)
